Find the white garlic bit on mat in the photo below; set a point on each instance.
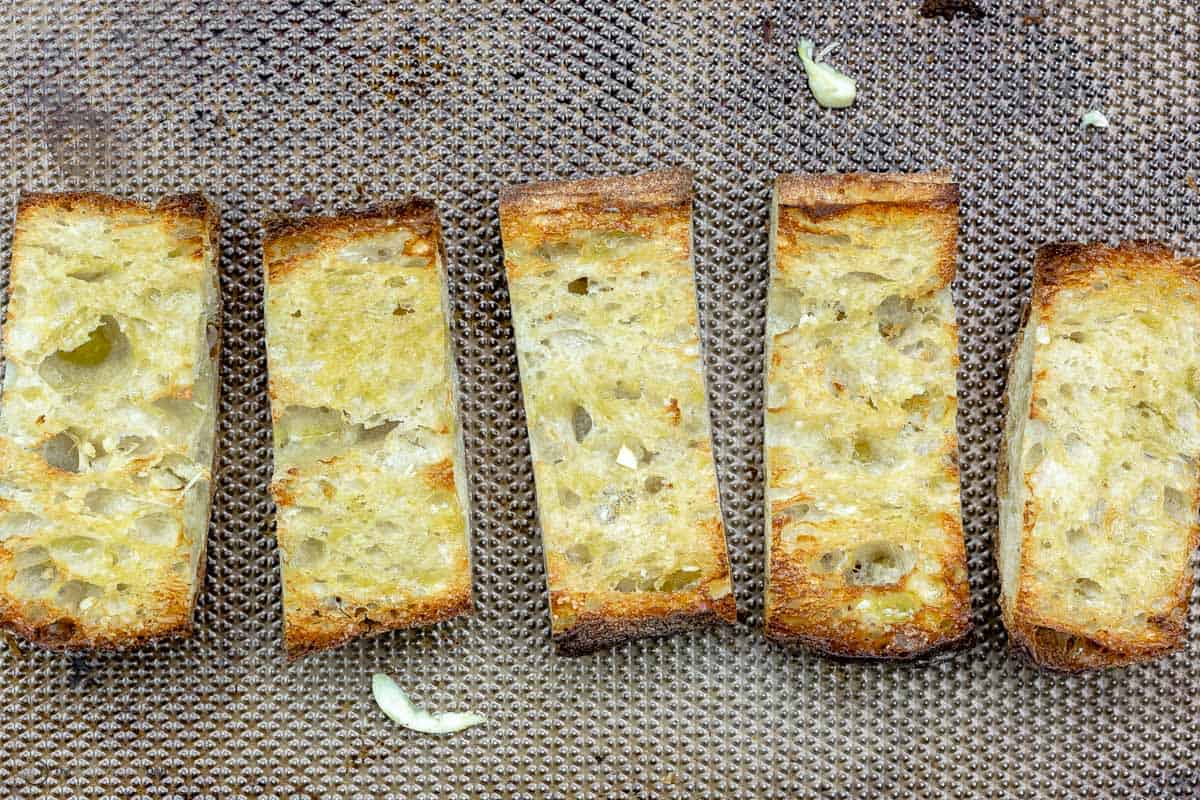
(394, 703)
(831, 88)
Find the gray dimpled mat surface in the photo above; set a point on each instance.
(299, 106)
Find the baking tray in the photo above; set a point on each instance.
(299, 106)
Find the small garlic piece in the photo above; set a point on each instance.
(831, 88)
(1093, 119)
(392, 700)
(626, 458)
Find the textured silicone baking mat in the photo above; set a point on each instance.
(299, 106)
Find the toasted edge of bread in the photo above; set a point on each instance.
(835, 647)
(321, 632)
(1055, 266)
(353, 222)
(820, 197)
(53, 636)
(649, 190)
(829, 194)
(593, 632)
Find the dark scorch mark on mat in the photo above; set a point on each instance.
(949, 9)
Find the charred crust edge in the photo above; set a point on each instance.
(405, 211)
(841, 649)
(1093, 655)
(190, 204)
(597, 632)
(300, 641)
(624, 192)
(827, 195)
(1060, 264)
(80, 639)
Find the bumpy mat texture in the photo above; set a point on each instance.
(306, 106)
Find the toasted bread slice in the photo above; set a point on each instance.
(372, 515)
(605, 316)
(865, 553)
(1098, 484)
(108, 418)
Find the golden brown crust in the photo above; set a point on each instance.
(1066, 264)
(66, 632)
(614, 617)
(308, 630)
(877, 198)
(823, 196)
(654, 205)
(810, 620)
(286, 239)
(647, 191)
(597, 630)
(1058, 644)
(412, 211)
(189, 204)
(68, 201)
(311, 625)
(911, 641)
(1068, 651)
